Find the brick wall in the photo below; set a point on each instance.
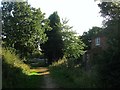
(94, 51)
(103, 43)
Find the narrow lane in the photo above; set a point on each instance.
(48, 81)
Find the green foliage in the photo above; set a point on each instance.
(108, 63)
(23, 26)
(110, 10)
(74, 77)
(107, 68)
(73, 45)
(15, 72)
(11, 58)
(54, 45)
(87, 36)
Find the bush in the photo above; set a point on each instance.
(74, 77)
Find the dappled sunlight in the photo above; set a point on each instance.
(39, 71)
(44, 73)
(59, 62)
(77, 66)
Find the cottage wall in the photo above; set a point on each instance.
(103, 43)
(94, 51)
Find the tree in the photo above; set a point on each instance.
(53, 48)
(23, 26)
(73, 45)
(110, 71)
(111, 12)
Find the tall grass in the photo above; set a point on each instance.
(15, 72)
(13, 59)
(73, 77)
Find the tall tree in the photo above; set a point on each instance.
(53, 48)
(111, 12)
(111, 60)
(73, 45)
(23, 26)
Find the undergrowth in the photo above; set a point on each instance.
(15, 71)
(75, 77)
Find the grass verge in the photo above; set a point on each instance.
(74, 77)
(15, 73)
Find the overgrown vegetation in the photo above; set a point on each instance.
(27, 35)
(15, 73)
(24, 27)
(74, 77)
(105, 66)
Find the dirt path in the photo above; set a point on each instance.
(48, 81)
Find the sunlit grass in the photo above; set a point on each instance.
(11, 58)
(39, 71)
(44, 73)
(18, 73)
(59, 62)
(33, 73)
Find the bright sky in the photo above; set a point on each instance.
(82, 14)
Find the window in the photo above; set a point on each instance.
(97, 41)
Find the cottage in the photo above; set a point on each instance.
(98, 44)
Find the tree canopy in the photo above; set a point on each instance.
(53, 48)
(23, 26)
(110, 69)
(73, 45)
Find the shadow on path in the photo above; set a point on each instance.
(48, 81)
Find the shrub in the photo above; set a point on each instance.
(73, 77)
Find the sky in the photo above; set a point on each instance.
(82, 14)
